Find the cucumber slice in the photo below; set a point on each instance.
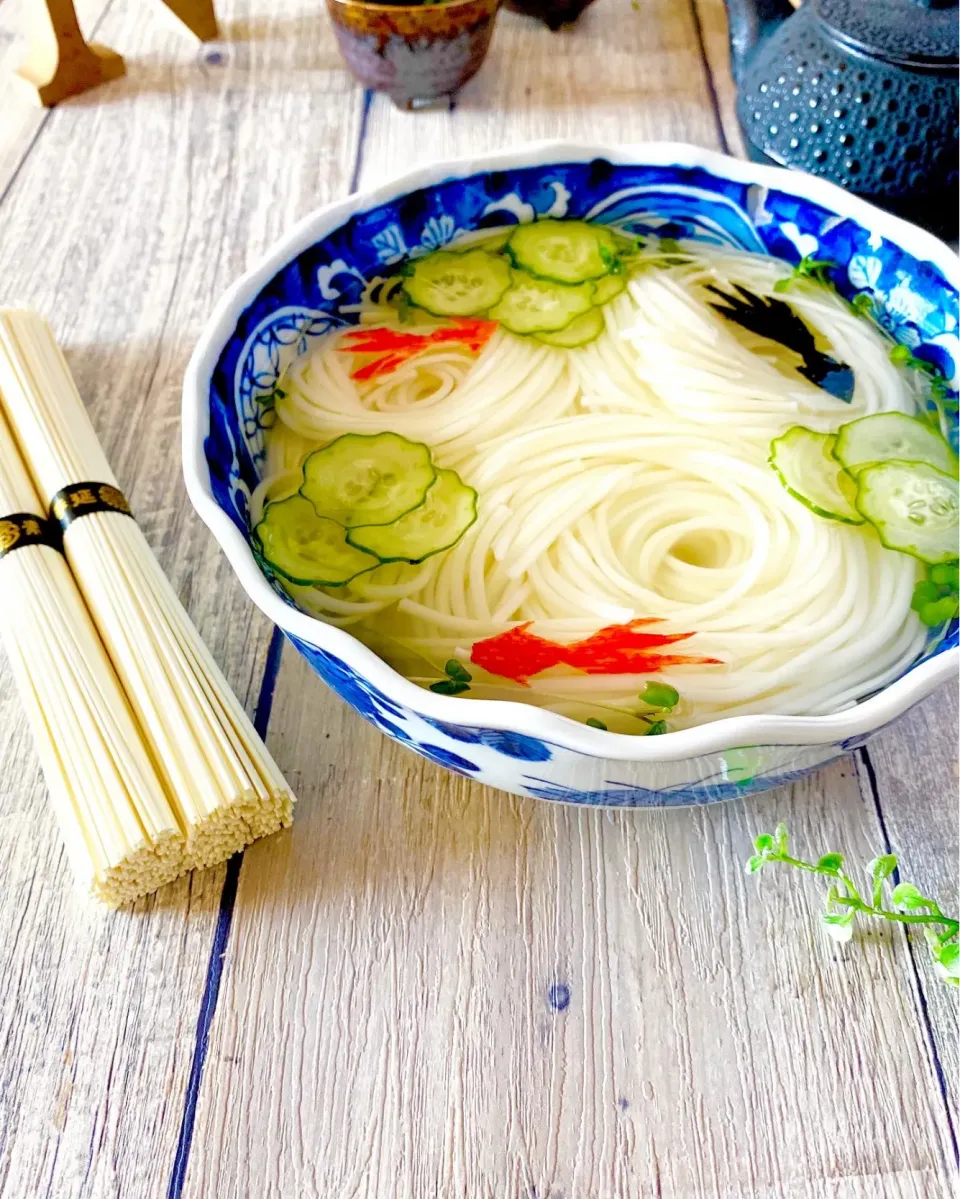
(608, 288)
(580, 330)
(463, 284)
(914, 508)
(488, 240)
(364, 479)
(887, 435)
(535, 305)
(309, 549)
(807, 468)
(565, 251)
(441, 520)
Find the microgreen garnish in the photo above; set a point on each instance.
(936, 599)
(807, 268)
(863, 304)
(943, 401)
(900, 904)
(656, 728)
(457, 681)
(776, 321)
(595, 724)
(610, 260)
(405, 313)
(660, 695)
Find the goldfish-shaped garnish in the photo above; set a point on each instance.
(394, 347)
(519, 654)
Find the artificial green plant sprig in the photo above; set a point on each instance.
(900, 904)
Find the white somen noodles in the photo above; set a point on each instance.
(628, 479)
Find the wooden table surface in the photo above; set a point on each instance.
(425, 989)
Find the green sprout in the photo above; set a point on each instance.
(457, 681)
(936, 598)
(944, 401)
(658, 699)
(901, 904)
(808, 267)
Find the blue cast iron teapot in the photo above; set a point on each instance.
(862, 92)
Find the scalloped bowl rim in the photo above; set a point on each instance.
(508, 715)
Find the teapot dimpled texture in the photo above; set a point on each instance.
(885, 129)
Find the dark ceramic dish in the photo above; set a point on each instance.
(417, 54)
(554, 13)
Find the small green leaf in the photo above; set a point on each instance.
(595, 724)
(763, 842)
(456, 671)
(909, 898)
(783, 284)
(669, 245)
(862, 302)
(757, 862)
(660, 695)
(830, 863)
(449, 687)
(883, 866)
(925, 592)
(901, 356)
(838, 925)
(657, 728)
(945, 574)
(946, 959)
(938, 612)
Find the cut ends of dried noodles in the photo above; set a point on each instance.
(152, 764)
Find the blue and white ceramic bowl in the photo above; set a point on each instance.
(304, 287)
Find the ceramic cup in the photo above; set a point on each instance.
(417, 54)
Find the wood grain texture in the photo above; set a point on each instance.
(466, 994)
(711, 18)
(125, 222)
(20, 117)
(618, 75)
(435, 990)
(914, 771)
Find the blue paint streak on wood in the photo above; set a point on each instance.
(211, 991)
(558, 996)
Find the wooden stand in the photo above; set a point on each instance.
(60, 63)
(198, 16)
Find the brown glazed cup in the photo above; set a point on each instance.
(417, 54)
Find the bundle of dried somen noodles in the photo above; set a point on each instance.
(119, 830)
(222, 787)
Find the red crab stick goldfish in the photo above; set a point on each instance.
(395, 347)
(615, 649)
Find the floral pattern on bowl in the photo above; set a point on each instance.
(308, 286)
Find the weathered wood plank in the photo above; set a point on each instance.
(128, 218)
(714, 35)
(618, 75)
(467, 994)
(915, 769)
(20, 118)
(433, 989)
